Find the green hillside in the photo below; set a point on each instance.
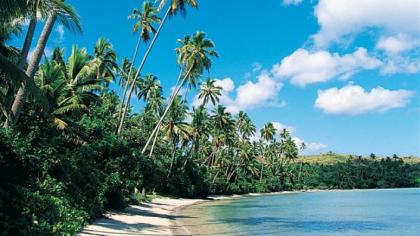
(332, 158)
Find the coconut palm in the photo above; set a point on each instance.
(288, 146)
(175, 129)
(105, 61)
(193, 56)
(69, 90)
(268, 132)
(145, 19)
(174, 7)
(221, 118)
(68, 17)
(244, 126)
(151, 92)
(200, 125)
(210, 92)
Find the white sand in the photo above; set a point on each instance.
(155, 218)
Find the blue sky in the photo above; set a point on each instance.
(341, 75)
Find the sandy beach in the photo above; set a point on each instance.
(154, 218)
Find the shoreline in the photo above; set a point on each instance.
(159, 217)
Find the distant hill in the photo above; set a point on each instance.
(332, 158)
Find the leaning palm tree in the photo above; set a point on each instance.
(175, 6)
(175, 129)
(145, 19)
(193, 56)
(210, 92)
(68, 17)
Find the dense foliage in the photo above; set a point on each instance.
(71, 147)
(359, 173)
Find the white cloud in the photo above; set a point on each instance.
(310, 147)
(279, 127)
(397, 44)
(252, 94)
(292, 2)
(338, 19)
(353, 99)
(303, 67)
(248, 96)
(400, 64)
(227, 84)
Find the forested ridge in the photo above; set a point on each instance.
(71, 147)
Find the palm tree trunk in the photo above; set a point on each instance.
(27, 44)
(143, 61)
(125, 108)
(157, 130)
(22, 60)
(171, 100)
(33, 66)
(215, 176)
(129, 76)
(153, 145)
(172, 161)
(261, 174)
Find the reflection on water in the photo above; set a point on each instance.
(367, 212)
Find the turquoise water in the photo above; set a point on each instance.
(353, 212)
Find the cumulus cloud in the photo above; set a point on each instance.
(252, 94)
(353, 100)
(292, 2)
(309, 146)
(397, 44)
(338, 19)
(401, 64)
(280, 126)
(304, 67)
(262, 92)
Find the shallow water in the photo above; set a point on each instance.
(353, 212)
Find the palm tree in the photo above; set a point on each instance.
(145, 19)
(174, 7)
(221, 118)
(67, 17)
(244, 126)
(193, 57)
(200, 127)
(151, 91)
(70, 89)
(210, 92)
(268, 132)
(105, 61)
(174, 128)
